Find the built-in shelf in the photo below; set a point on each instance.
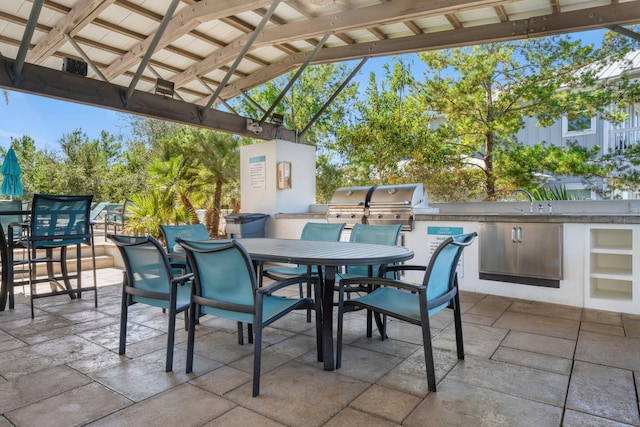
(610, 265)
(611, 239)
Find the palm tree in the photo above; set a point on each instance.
(218, 165)
(177, 178)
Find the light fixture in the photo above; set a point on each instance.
(74, 66)
(164, 88)
(277, 119)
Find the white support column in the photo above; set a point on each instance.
(259, 190)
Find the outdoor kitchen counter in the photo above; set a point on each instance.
(598, 255)
(569, 218)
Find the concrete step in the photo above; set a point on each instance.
(104, 258)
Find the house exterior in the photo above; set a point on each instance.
(591, 131)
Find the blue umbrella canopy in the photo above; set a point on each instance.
(12, 175)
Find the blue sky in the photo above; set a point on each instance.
(46, 120)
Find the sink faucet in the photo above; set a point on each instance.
(528, 195)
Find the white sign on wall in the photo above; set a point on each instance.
(258, 173)
(437, 235)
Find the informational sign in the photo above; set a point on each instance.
(258, 173)
(437, 235)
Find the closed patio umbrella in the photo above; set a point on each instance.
(12, 175)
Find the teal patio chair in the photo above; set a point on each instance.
(370, 233)
(413, 303)
(56, 223)
(116, 216)
(319, 231)
(376, 234)
(185, 231)
(148, 279)
(225, 285)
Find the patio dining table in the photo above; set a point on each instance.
(330, 255)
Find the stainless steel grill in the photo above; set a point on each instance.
(348, 205)
(393, 204)
(386, 204)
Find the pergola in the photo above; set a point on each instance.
(182, 60)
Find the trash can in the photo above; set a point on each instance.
(245, 225)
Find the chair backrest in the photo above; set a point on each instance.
(224, 275)
(380, 234)
(97, 210)
(370, 233)
(147, 266)
(60, 220)
(322, 231)
(118, 212)
(440, 275)
(5, 220)
(185, 231)
(114, 208)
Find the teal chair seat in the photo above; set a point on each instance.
(225, 285)
(410, 302)
(149, 280)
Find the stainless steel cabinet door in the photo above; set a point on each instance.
(498, 250)
(540, 250)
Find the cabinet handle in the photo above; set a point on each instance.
(519, 234)
(513, 235)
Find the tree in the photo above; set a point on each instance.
(455, 129)
(217, 161)
(386, 126)
(86, 162)
(300, 105)
(483, 93)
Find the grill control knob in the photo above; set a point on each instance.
(397, 216)
(353, 215)
(379, 216)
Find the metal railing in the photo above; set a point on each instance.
(620, 140)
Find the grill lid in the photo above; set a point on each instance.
(351, 196)
(407, 195)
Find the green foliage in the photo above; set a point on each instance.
(483, 92)
(384, 128)
(150, 210)
(329, 177)
(304, 99)
(553, 193)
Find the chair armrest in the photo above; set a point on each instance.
(379, 281)
(176, 257)
(268, 290)
(19, 224)
(401, 267)
(181, 280)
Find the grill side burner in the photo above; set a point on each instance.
(348, 205)
(393, 204)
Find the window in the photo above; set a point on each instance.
(578, 124)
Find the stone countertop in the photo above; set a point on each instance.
(567, 218)
(577, 218)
